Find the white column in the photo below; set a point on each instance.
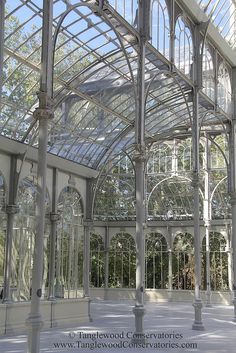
(208, 266)
(11, 210)
(86, 268)
(207, 217)
(170, 273)
(106, 259)
(233, 189)
(34, 321)
(2, 26)
(54, 218)
(139, 159)
(230, 257)
(197, 324)
(233, 204)
(42, 114)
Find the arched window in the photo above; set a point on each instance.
(69, 254)
(96, 261)
(217, 160)
(160, 27)
(160, 160)
(122, 261)
(183, 262)
(171, 199)
(2, 226)
(184, 155)
(116, 195)
(218, 261)
(224, 90)
(156, 265)
(208, 80)
(220, 199)
(183, 46)
(24, 240)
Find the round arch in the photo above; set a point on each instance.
(122, 261)
(218, 261)
(183, 261)
(97, 259)
(156, 261)
(69, 246)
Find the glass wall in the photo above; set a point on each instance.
(96, 261)
(122, 261)
(24, 240)
(2, 227)
(218, 261)
(156, 265)
(183, 262)
(69, 247)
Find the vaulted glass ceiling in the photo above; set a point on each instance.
(223, 16)
(94, 83)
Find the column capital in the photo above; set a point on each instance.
(140, 154)
(207, 223)
(45, 109)
(88, 223)
(54, 217)
(43, 113)
(12, 209)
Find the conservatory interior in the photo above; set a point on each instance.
(117, 158)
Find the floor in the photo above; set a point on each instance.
(168, 329)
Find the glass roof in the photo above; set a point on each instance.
(94, 83)
(223, 16)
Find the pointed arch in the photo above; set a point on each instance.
(224, 88)
(160, 27)
(183, 46)
(208, 79)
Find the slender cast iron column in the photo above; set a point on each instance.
(2, 26)
(34, 321)
(11, 210)
(42, 114)
(86, 268)
(230, 257)
(86, 265)
(54, 218)
(197, 324)
(233, 189)
(106, 258)
(208, 264)
(207, 217)
(170, 272)
(233, 205)
(197, 72)
(139, 159)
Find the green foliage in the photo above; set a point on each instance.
(97, 258)
(156, 261)
(115, 198)
(183, 262)
(122, 261)
(218, 262)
